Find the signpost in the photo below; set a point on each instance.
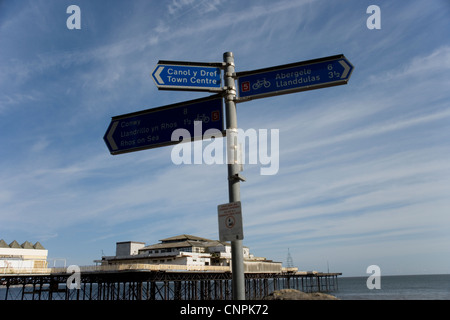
(295, 77)
(179, 75)
(153, 127)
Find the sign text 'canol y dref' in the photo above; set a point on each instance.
(176, 75)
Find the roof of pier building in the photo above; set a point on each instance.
(184, 241)
(26, 245)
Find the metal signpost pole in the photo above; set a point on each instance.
(237, 257)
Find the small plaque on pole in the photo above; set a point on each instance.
(230, 221)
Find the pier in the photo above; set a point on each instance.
(149, 282)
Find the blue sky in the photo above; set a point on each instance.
(364, 173)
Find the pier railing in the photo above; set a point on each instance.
(249, 267)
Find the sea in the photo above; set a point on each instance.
(403, 287)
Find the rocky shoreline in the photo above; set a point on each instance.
(292, 294)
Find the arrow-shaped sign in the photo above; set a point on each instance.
(347, 68)
(110, 135)
(154, 127)
(157, 77)
(295, 77)
(187, 76)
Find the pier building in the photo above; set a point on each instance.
(185, 250)
(15, 257)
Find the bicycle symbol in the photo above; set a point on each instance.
(203, 118)
(260, 83)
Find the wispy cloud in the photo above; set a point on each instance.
(434, 63)
(377, 129)
(177, 7)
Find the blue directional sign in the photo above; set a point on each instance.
(295, 77)
(187, 76)
(154, 127)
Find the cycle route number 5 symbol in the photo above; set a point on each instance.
(245, 86)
